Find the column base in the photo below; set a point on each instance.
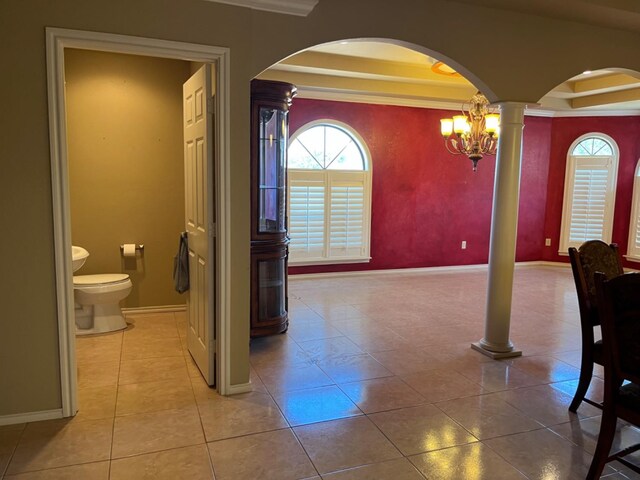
(495, 355)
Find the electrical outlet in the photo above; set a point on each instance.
(547, 242)
(464, 245)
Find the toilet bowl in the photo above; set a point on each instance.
(97, 299)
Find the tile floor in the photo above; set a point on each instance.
(374, 380)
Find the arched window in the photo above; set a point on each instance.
(633, 250)
(329, 191)
(589, 191)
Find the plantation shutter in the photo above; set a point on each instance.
(633, 249)
(347, 222)
(636, 243)
(591, 201)
(306, 215)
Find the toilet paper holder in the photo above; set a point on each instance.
(139, 248)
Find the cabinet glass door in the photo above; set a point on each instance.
(272, 292)
(271, 198)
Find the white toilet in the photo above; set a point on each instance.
(97, 299)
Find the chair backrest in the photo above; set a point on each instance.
(593, 256)
(619, 311)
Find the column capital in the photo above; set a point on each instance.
(512, 112)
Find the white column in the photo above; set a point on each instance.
(504, 223)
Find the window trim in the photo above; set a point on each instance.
(569, 178)
(367, 173)
(633, 254)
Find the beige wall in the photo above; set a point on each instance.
(124, 135)
(510, 56)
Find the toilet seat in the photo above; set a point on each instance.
(99, 279)
(101, 284)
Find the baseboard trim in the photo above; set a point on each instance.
(30, 417)
(159, 309)
(239, 388)
(423, 270)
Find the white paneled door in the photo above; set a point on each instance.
(199, 219)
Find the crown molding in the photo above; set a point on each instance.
(597, 113)
(374, 98)
(335, 95)
(301, 8)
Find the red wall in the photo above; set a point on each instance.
(425, 201)
(625, 131)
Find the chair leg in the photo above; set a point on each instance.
(605, 440)
(586, 372)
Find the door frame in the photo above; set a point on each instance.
(57, 39)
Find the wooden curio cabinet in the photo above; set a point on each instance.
(270, 103)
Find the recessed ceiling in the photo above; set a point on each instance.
(378, 72)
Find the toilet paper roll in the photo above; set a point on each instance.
(129, 250)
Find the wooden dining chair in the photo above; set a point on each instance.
(592, 256)
(619, 304)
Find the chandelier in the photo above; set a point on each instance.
(474, 133)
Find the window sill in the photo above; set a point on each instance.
(563, 254)
(328, 261)
(632, 258)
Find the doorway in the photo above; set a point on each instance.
(57, 41)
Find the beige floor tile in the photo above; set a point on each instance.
(98, 348)
(543, 454)
(441, 384)
(302, 314)
(622, 470)
(488, 416)
(268, 456)
(353, 368)
(547, 369)
(151, 432)
(163, 330)
(276, 350)
(360, 326)
(584, 433)
(379, 394)
(338, 313)
(475, 461)
(595, 391)
(98, 374)
(87, 471)
(247, 413)
(328, 348)
(192, 368)
(497, 376)
(345, 443)
(151, 321)
(315, 405)
(406, 361)
(203, 392)
(143, 346)
(9, 437)
(546, 405)
(188, 463)
(574, 358)
(621, 476)
(96, 402)
(297, 376)
(154, 396)
(421, 429)
(306, 331)
(378, 341)
(152, 369)
(400, 469)
(58, 443)
(257, 385)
